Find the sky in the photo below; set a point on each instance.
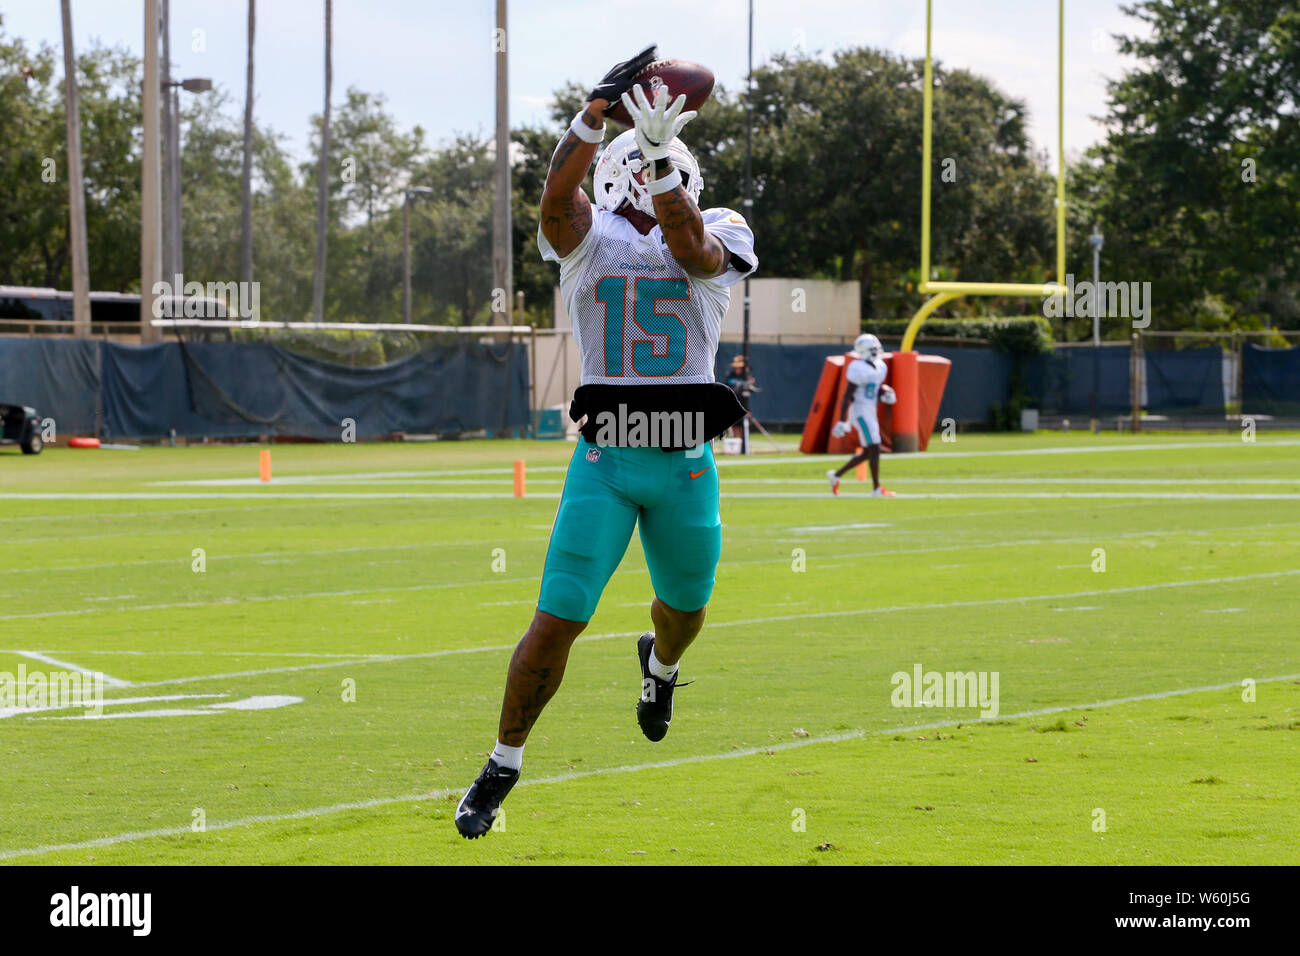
(433, 60)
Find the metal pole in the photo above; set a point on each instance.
(927, 119)
(1096, 288)
(749, 199)
(323, 176)
(76, 188)
(1060, 143)
(174, 167)
(150, 178)
(1096, 240)
(1135, 381)
(406, 258)
(1096, 330)
(165, 107)
(502, 258)
(246, 171)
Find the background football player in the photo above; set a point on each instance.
(645, 276)
(866, 375)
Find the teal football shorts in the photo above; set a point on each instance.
(608, 491)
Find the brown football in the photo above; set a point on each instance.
(680, 76)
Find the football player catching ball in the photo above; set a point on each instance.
(646, 277)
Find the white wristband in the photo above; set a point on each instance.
(666, 185)
(584, 132)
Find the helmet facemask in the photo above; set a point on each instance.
(615, 179)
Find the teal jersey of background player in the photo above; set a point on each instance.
(638, 317)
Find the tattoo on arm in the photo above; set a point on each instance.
(566, 148)
(691, 244)
(565, 209)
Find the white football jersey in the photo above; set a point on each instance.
(638, 317)
(866, 379)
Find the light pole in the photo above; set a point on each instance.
(173, 253)
(502, 244)
(1097, 240)
(76, 187)
(150, 178)
(748, 203)
(406, 246)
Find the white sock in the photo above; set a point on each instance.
(511, 757)
(659, 668)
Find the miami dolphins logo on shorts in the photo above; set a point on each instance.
(593, 454)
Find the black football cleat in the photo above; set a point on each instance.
(654, 710)
(482, 801)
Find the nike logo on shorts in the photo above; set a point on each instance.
(696, 474)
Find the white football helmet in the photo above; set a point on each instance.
(618, 165)
(868, 346)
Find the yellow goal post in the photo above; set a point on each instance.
(943, 292)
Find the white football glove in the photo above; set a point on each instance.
(887, 395)
(656, 125)
(841, 429)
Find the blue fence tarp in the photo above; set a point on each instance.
(1189, 382)
(787, 377)
(459, 388)
(1062, 382)
(1270, 381)
(978, 379)
(57, 377)
(250, 389)
(245, 390)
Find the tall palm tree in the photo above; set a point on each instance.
(246, 199)
(322, 194)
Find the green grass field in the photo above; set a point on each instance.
(1124, 734)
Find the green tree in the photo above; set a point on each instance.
(837, 174)
(1197, 186)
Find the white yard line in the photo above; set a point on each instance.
(819, 480)
(997, 480)
(905, 496)
(353, 592)
(185, 559)
(169, 653)
(312, 812)
(46, 659)
(263, 598)
(432, 474)
(745, 622)
(106, 702)
(237, 495)
(847, 491)
(159, 512)
(937, 453)
(296, 554)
